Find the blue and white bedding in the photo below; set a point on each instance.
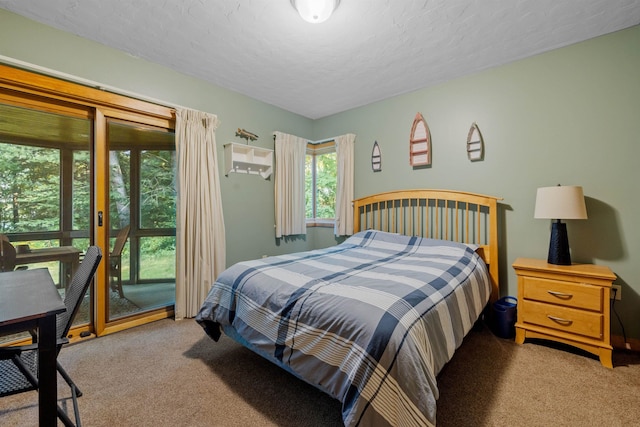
(370, 321)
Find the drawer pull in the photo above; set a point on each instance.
(560, 320)
(560, 295)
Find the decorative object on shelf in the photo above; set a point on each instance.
(247, 159)
(420, 142)
(475, 144)
(246, 135)
(315, 11)
(558, 203)
(376, 158)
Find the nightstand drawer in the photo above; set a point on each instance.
(562, 318)
(576, 295)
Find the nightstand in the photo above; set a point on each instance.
(565, 303)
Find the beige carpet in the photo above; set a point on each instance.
(170, 374)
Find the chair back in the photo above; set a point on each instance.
(121, 239)
(76, 290)
(7, 256)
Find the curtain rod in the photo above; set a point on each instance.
(325, 140)
(79, 80)
(316, 142)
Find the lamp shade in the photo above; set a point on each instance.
(315, 11)
(560, 202)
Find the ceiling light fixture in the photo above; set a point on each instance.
(315, 11)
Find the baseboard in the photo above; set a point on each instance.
(632, 344)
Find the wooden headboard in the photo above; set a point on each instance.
(439, 214)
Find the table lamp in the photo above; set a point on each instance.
(558, 203)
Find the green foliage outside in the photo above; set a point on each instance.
(30, 190)
(157, 189)
(157, 257)
(325, 191)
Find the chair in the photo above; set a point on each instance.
(7, 256)
(19, 364)
(115, 260)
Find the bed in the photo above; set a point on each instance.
(372, 320)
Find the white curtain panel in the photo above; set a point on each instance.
(290, 152)
(200, 235)
(345, 149)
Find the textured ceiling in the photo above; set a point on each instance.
(367, 51)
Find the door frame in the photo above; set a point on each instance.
(26, 88)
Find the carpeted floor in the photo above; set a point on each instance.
(171, 374)
(495, 382)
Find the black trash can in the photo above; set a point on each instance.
(504, 313)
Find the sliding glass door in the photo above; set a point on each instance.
(80, 167)
(45, 188)
(142, 212)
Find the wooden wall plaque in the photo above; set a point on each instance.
(420, 142)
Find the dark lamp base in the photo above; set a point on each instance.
(559, 245)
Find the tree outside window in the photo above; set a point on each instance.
(320, 183)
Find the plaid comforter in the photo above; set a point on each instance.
(370, 321)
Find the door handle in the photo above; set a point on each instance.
(99, 218)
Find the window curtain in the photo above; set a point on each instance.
(200, 235)
(344, 185)
(290, 152)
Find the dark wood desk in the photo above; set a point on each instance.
(29, 300)
(68, 255)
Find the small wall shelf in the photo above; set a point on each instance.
(475, 144)
(420, 143)
(242, 158)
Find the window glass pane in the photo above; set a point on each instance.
(119, 176)
(29, 188)
(39, 176)
(326, 185)
(143, 197)
(158, 258)
(81, 191)
(320, 185)
(157, 189)
(81, 219)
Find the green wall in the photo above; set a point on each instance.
(567, 116)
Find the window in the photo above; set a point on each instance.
(320, 184)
